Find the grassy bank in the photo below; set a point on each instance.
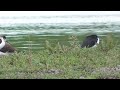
(60, 61)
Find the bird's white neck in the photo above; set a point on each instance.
(98, 40)
(2, 44)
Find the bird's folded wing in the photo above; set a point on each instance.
(7, 48)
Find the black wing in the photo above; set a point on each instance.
(88, 42)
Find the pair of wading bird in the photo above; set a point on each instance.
(6, 48)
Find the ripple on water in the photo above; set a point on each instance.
(22, 35)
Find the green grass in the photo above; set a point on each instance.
(61, 61)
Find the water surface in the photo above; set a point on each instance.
(25, 32)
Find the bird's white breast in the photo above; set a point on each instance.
(98, 41)
(2, 43)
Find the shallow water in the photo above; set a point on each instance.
(25, 32)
